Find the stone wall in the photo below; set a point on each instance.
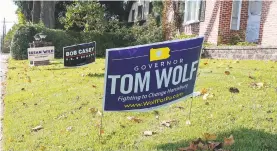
(241, 52)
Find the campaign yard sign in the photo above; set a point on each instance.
(79, 55)
(149, 76)
(41, 53)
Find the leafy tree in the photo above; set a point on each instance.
(87, 16)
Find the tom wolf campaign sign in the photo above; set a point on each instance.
(41, 53)
(148, 76)
(79, 55)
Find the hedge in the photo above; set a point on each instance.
(60, 38)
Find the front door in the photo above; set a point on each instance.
(254, 18)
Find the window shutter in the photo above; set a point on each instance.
(150, 7)
(140, 12)
(202, 11)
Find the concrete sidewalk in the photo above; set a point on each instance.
(3, 70)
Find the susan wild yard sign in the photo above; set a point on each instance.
(147, 76)
(41, 53)
(78, 55)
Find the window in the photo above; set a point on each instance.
(255, 7)
(150, 7)
(133, 15)
(140, 12)
(235, 20)
(192, 11)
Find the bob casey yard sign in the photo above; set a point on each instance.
(148, 76)
(79, 55)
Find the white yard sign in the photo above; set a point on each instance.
(41, 53)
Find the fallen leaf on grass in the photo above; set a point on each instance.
(205, 96)
(93, 110)
(204, 91)
(215, 145)
(229, 141)
(29, 79)
(202, 146)
(37, 128)
(148, 133)
(168, 123)
(205, 63)
(227, 72)
(188, 122)
(69, 128)
(197, 141)
(192, 147)
(258, 85)
(101, 131)
(99, 113)
(208, 136)
(132, 118)
(233, 90)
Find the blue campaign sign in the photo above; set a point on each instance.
(148, 76)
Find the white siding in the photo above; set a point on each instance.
(145, 10)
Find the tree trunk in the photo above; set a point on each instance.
(27, 8)
(168, 19)
(47, 14)
(36, 12)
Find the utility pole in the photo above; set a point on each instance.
(3, 36)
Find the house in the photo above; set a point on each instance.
(140, 10)
(220, 21)
(254, 20)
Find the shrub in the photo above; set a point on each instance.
(118, 37)
(148, 33)
(25, 35)
(183, 36)
(20, 42)
(235, 39)
(246, 44)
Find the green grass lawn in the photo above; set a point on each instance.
(59, 99)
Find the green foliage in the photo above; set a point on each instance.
(20, 42)
(207, 44)
(25, 35)
(87, 15)
(184, 36)
(147, 33)
(246, 44)
(235, 39)
(21, 17)
(117, 36)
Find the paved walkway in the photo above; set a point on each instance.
(3, 71)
